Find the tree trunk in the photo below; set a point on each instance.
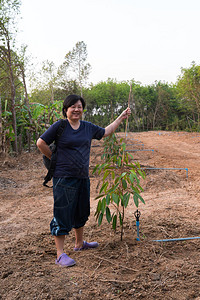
(28, 133)
(14, 120)
(26, 96)
(1, 129)
(13, 94)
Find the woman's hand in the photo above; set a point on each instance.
(126, 113)
(113, 126)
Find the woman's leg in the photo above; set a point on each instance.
(79, 243)
(59, 241)
(79, 237)
(62, 258)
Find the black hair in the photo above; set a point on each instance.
(71, 100)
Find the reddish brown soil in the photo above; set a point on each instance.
(116, 270)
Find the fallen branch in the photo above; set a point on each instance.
(119, 266)
(96, 268)
(118, 281)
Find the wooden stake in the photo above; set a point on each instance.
(129, 99)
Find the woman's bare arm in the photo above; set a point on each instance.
(44, 148)
(113, 126)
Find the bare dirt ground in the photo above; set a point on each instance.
(115, 270)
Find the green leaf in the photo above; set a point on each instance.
(131, 178)
(120, 177)
(57, 115)
(135, 189)
(95, 169)
(107, 199)
(119, 161)
(113, 188)
(130, 155)
(135, 176)
(103, 205)
(141, 199)
(141, 189)
(123, 146)
(114, 223)
(101, 168)
(6, 114)
(26, 127)
(142, 174)
(100, 219)
(99, 206)
(103, 187)
(135, 198)
(126, 158)
(106, 174)
(117, 180)
(124, 183)
(108, 215)
(126, 198)
(123, 174)
(137, 164)
(116, 198)
(113, 175)
(114, 158)
(100, 196)
(39, 108)
(96, 214)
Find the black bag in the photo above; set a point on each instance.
(50, 164)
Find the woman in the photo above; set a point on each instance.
(71, 184)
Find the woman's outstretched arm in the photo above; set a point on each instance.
(113, 126)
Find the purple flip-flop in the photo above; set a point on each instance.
(87, 245)
(65, 261)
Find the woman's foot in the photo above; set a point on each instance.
(65, 261)
(86, 246)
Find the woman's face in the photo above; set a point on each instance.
(74, 112)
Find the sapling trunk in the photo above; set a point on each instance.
(122, 227)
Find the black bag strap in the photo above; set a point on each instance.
(60, 130)
(63, 124)
(50, 172)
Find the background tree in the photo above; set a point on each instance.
(44, 82)
(75, 66)
(153, 106)
(24, 64)
(9, 9)
(49, 75)
(106, 100)
(188, 85)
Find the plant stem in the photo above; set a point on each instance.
(122, 227)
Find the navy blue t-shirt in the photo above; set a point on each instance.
(73, 148)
